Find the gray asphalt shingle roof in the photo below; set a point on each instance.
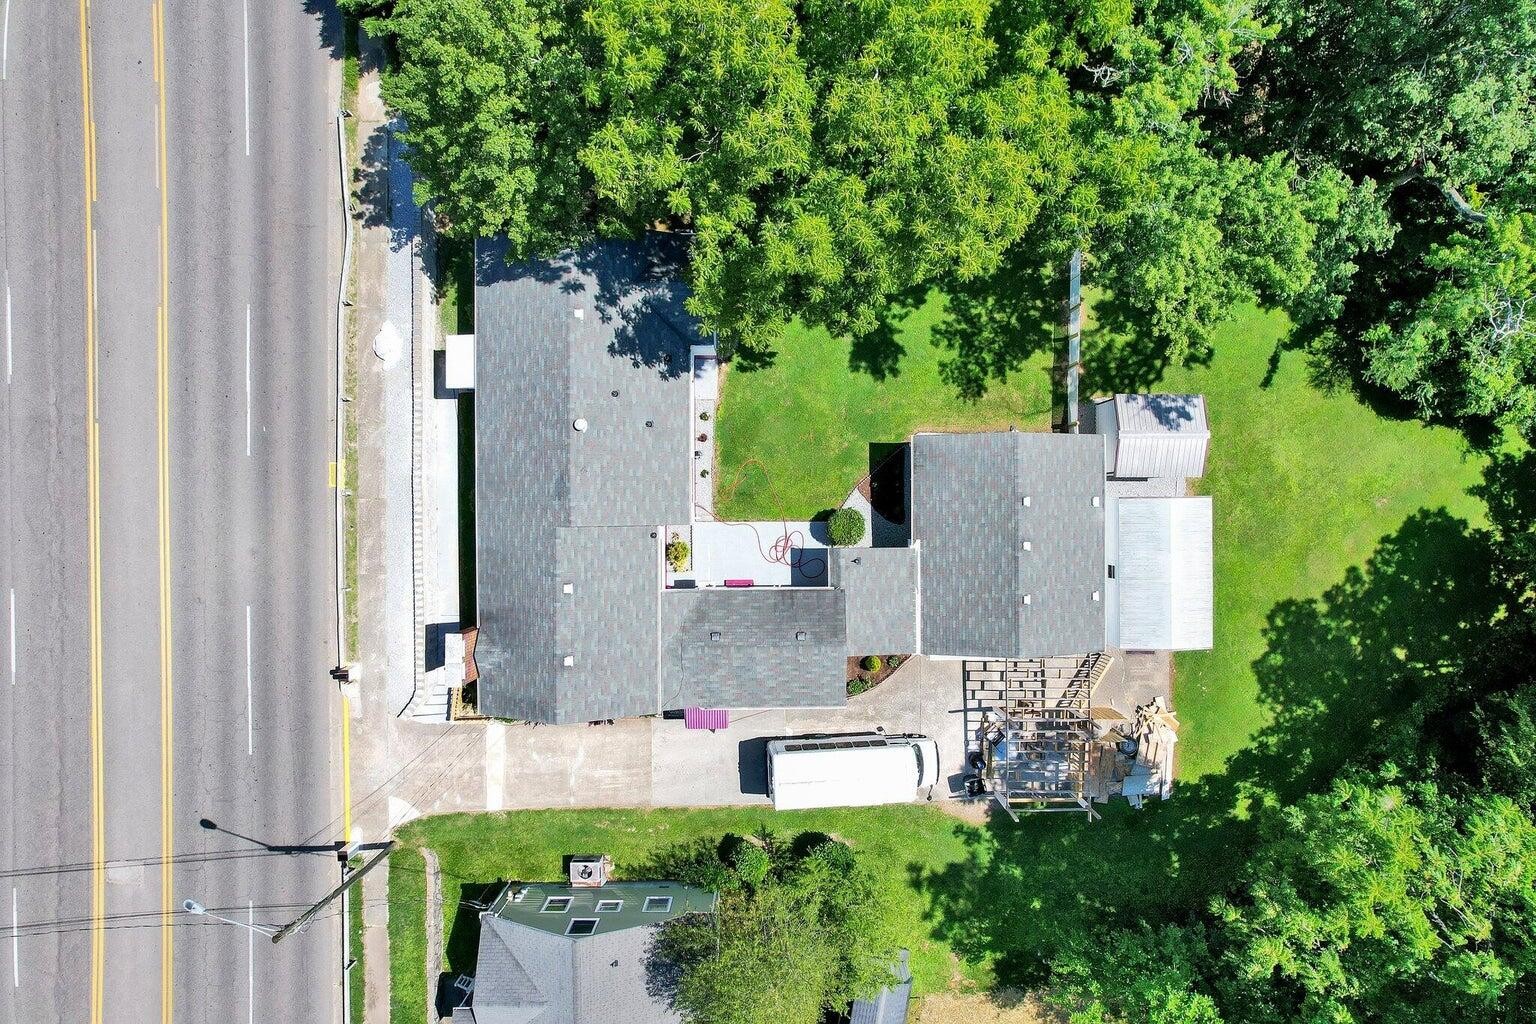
(977, 501)
(881, 585)
(540, 368)
(754, 647)
(529, 971)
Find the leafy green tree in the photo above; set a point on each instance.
(1134, 976)
(1381, 902)
(1395, 89)
(800, 929)
(1468, 347)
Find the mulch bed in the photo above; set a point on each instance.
(855, 671)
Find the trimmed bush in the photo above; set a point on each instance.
(846, 527)
(872, 663)
(857, 686)
(677, 554)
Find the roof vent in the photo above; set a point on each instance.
(580, 314)
(1097, 501)
(570, 661)
(580, 424)
(1027, 501)
(614, 393)
(1096, 595)
(1027, 598)
(566, 588)
(714, 634)
(650, 423)
(1029, 546)
(800, 634)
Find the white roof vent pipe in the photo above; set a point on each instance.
(580, 424)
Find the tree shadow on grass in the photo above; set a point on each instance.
(1380, 668)
(993, 326)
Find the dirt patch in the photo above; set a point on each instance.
(1005, 1006)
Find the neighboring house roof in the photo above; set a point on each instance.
(977, 501)
(530, 971)
(1163, 574)
(547, 494)
(1154, 435)
(890, 1005)
(753, 647)
(882, 587)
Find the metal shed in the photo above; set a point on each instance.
(1153, 435)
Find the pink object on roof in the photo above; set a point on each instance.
(706, 718)
(738, 583)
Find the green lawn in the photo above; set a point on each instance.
(809, 419)
(1304, 484)
(900, 843)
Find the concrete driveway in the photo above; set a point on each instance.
(647, 762)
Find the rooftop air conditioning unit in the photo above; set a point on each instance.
(588, 872)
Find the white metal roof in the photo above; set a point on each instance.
(1158, 435)
(459, 361)
(1163, 574)
(850, 777)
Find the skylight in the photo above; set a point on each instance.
(556, 905)
(581, 926)
(657, 904)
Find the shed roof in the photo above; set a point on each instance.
(1011, 528)
(1163, 574)
(753, 647)
(1158, 435)
(882, 587)
(890, 1005)
(543, 487)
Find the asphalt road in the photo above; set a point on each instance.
(166, 584)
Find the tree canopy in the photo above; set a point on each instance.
(800, 930)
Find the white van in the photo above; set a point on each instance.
(857, 770)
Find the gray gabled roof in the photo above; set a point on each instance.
(528, 971)
(547, 496)
(755, 647)
(881, 585)
(1011, 528)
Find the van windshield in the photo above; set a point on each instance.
(917, 752)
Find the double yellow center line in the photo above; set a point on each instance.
(93, 541)
(93, 529)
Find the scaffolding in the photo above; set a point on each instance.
(1032, 729)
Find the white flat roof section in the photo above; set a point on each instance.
(1155, 435)
(459, 362)
(1163, 574)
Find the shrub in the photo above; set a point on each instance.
(858, 686)
(894, 660)
(846, 527)
(872, 663)
(704, 415)
(677, 554)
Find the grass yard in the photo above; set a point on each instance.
(809, 418)
(1305, 482)
(1305, 485)
(900, 843)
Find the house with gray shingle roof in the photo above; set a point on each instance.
(562, 954)
(590, 455)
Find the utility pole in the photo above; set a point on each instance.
(346, 883)
(277, 934)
